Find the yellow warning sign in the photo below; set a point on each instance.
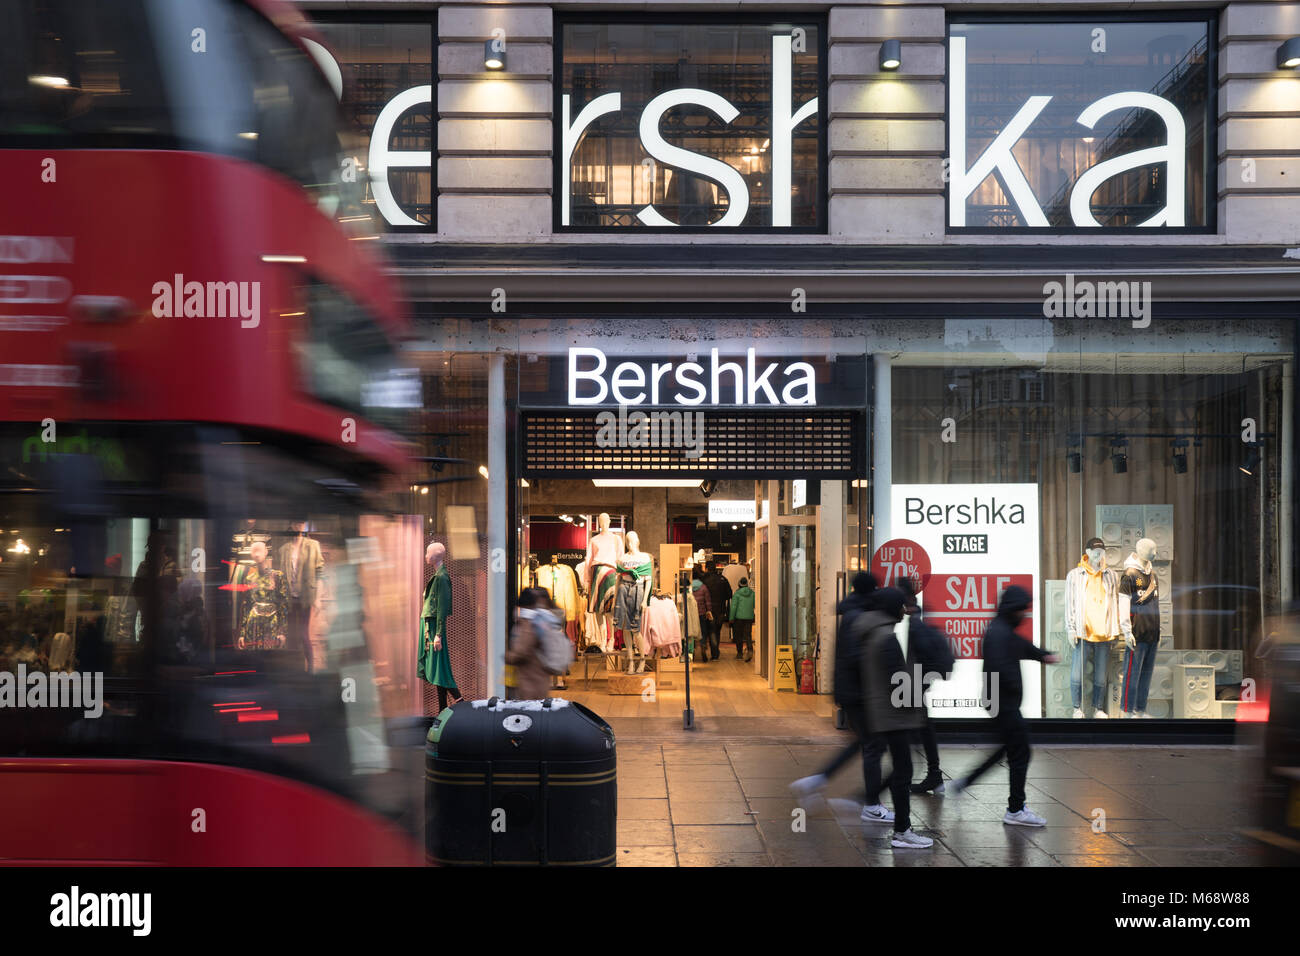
(785, 667)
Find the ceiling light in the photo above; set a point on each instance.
(48, 80)
(1119, 457)
(891, 55)
(482, 470)
(1180, 456)
(1252, 459)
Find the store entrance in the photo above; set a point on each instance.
(648, 572)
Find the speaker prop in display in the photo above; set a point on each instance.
(1194, 691)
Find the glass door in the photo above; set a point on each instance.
(796, 600)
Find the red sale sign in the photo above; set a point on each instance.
(901, 558)
(961, 605)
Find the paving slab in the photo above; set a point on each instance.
(719, 839)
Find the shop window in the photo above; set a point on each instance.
(690, 125)
(1065, 124)
(1141, 459)
(386, 70)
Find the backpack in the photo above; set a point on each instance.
(554, 650)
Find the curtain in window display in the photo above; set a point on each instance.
(1022, 424)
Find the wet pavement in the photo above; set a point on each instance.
(726, 802)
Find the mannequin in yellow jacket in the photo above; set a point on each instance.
(1096, 615)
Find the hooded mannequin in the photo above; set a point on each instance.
(603, 551)
(1093, 621)
(1140, 606)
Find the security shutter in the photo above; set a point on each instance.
(825, 444)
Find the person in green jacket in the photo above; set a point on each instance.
(742, 619)
(434, 658)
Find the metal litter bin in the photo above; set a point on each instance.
(520, 783)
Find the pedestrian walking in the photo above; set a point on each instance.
(1004, 649)
(532, 680)
(742, 620)
(848, 690)
(891, 717)
(719, 595)
(935, 657)
(704, 606)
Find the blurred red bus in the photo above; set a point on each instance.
(197, 352)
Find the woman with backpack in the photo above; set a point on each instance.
(534, 650)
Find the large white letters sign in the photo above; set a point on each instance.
(998, 160)
(784, 121)
(381, 159)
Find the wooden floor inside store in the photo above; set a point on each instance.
(722, 688)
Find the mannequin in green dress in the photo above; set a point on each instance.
(434, 659)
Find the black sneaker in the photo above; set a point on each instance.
(933, 783)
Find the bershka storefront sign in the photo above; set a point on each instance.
(980, 540)
(717, 381)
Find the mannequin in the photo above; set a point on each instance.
(636, 572)
(265, 604)
(301, 562)
(434, 658)
(1140, 606)
(603, 551)
(1093, 621)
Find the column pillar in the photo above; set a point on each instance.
(497, 518)
(830, 561)
(882, 467)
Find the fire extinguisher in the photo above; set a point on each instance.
(807, 676)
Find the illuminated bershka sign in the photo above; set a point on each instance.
(714, 381)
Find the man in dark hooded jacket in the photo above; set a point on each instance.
(934, 654)
(1004, 649)
(848, 685)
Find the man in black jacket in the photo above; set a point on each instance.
(719, 595)
(894, 709)
(1004, 649)
(848, 687)
(934, 655)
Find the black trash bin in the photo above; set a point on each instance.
(520, 783)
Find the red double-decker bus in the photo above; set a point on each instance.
(204, 587)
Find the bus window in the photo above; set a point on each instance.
(89, 79)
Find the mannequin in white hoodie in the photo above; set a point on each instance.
(1140, 604)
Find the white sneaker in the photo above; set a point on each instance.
(1143, 714)
(1078, 713)
(910, 840)
(808, 791)
(1025, 818)
(1101, 715)
(957, 785)
(878, 813)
